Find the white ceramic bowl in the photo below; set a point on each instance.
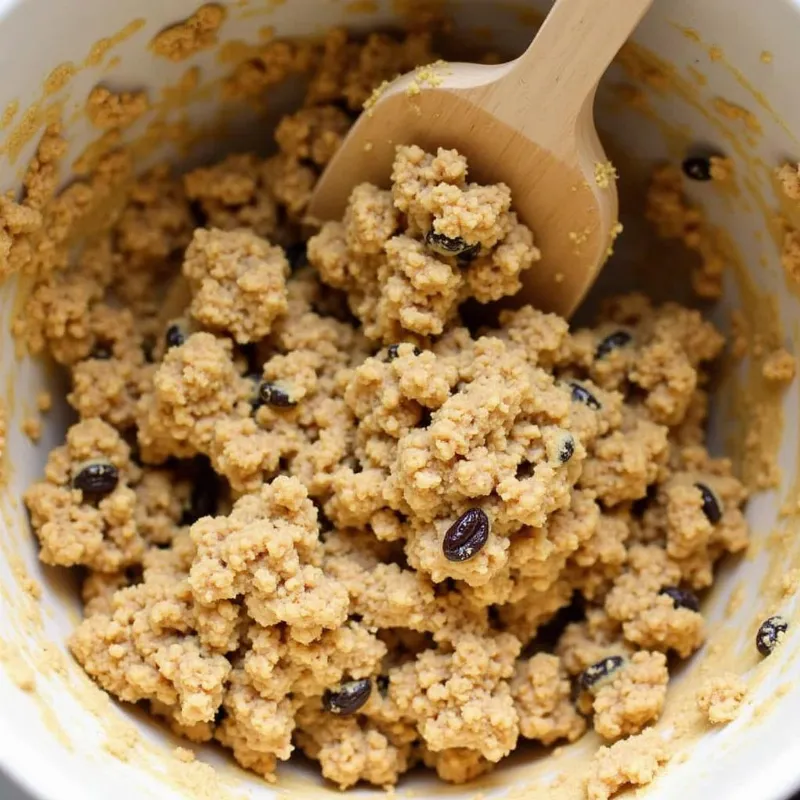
(60, 739)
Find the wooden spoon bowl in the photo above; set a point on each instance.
(528, 123)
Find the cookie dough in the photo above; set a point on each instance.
(107, 110)
(197, 32)
(720, 697)
(788, 177)
(632, 762)
(316, 510)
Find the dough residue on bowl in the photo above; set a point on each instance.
(720, 697)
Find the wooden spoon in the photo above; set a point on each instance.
(528, 123)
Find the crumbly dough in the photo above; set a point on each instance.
(790, 253)
(107, 109)
(39, 216)
(720, 697)
(298, 425)
(631, 762)
(721, 169)
(542, 699)
(396, 285)
(788, 176)
(674, 218)
(635, 697)
(197, 32)
(237, 281)
(780, 366)
(32, 428)
(71, 531)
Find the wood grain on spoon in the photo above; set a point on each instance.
(528, 123)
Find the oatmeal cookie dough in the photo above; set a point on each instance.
(312, 507)
(107, 110)
(779, 367)
(542, 699)
(788, 176)
(76, 526)
(631, 762)
(408, 257)
(237, 281)
(720, 697)
(674, 218)
(197, 32)
(633, 699)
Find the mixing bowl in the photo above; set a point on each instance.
(677, 90)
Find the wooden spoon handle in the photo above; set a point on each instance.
(574, 47)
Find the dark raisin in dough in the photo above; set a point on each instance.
(593, 677)
(697, 168)
(612, 342)
(392, 352)
(711, 505)
(770, 634)
(273, 395)
(466, 536)
(175, 337)
(682, 598)
(348, 697)
(567, 449)
(469, 255)
(580, 394)
(445, 246)
(97, 478)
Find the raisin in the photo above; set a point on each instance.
(271, 394)
(594, 677)
(567, 448)
(348, 697)
(466, 536)
(698, 168)
(469, 255)
(175, 337)
(682, 598)
(770, 634)
(580, 394)
(711, 505)
(297, 256)
(98, 477)
(612, 342)
(393, 352)
(446, 246)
